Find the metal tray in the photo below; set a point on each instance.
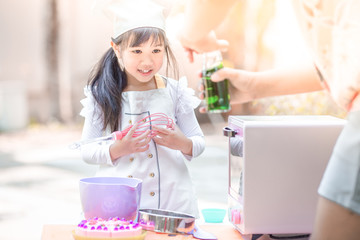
(165, 221)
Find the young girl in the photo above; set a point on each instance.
(125, 87)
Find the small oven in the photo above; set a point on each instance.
(275, 167)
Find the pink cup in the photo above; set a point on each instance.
(108, 197)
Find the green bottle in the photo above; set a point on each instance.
(216, 93)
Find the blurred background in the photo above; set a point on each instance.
(47, 49)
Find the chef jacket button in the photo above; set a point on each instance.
(150, 155)
(130, 176)
(130, 122)
(131, 159)
(152, 174)
(152, 194)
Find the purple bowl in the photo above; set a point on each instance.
(108, 197)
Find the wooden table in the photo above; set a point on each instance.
(221, 231)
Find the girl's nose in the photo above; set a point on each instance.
(147, 60)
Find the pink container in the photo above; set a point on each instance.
(108, 197)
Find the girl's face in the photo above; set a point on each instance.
(142, 62)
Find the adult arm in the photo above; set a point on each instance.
(249, 86)
(200, 18)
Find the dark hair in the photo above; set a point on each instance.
(107, 81)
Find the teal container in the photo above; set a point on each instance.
(213, 215)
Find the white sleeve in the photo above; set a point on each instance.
(189, 125)
(93, 153)
(186, 118)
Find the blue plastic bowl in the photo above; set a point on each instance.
(213, 215)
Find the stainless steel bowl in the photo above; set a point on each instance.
(166, 221)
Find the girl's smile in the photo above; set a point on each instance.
(145, 72)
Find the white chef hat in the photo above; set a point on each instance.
(130, 14)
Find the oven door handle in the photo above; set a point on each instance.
(229, 132)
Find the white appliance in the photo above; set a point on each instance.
(275, 166)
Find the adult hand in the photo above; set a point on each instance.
(241, 85)
(130, 144)
(174, 139)
(207, 44)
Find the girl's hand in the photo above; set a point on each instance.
(173, 139)
(130, 144)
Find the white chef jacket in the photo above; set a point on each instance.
(166, 180)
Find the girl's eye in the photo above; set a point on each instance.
(136, 51)
(156, 50)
